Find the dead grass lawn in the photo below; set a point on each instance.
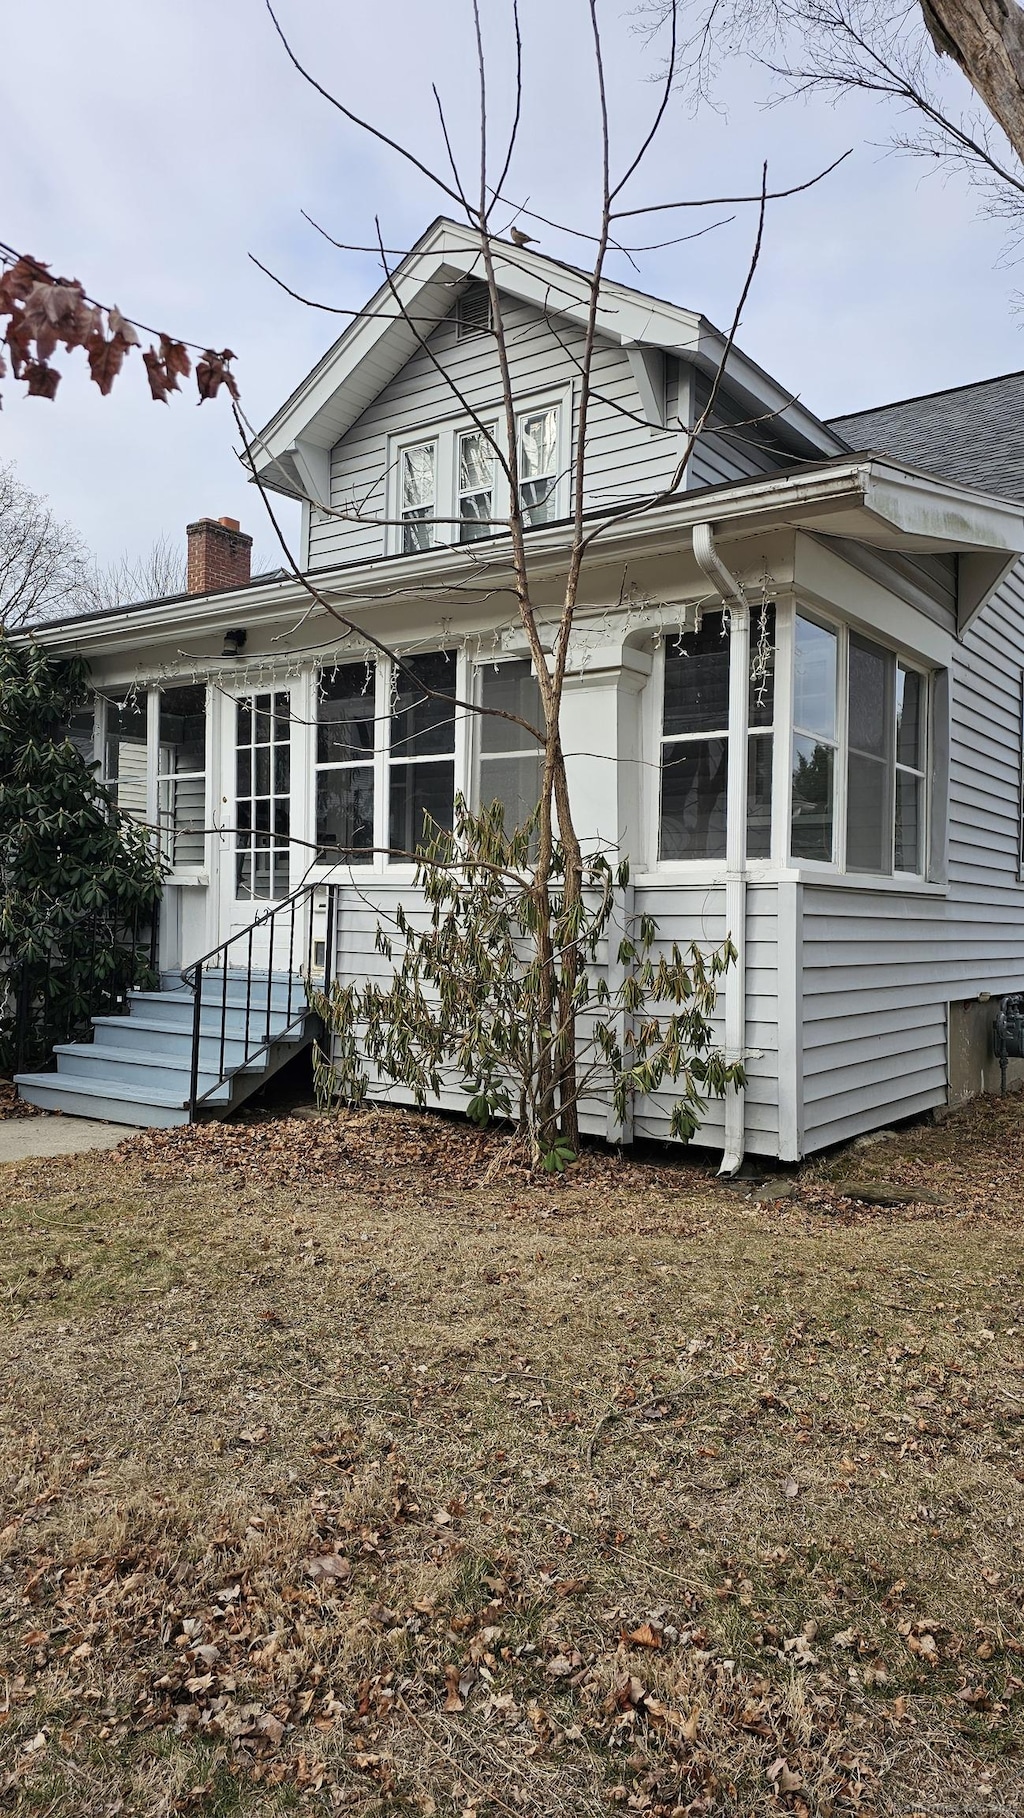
(342, 1469)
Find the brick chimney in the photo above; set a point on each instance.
(218, 555)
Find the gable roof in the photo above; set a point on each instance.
(973, 434)
(372, 350)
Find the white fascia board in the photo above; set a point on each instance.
(425, 285)
(375, 346)
(938, 517)
(871, 501)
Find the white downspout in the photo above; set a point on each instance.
(735, 603)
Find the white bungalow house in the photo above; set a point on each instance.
(852, 816)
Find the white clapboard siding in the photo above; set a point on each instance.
(686, 913)
(627, 457)
(683, 914)
(731, 447)
(880, 969)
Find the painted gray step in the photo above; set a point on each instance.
(238, 991)
(145, 1072)
(179, 1011)
(159, 1035)
(179, 1006)
(79, 1097)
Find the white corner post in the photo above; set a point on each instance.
(735, 603)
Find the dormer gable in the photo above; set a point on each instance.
(652, 360)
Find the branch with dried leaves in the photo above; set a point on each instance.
(44, 312)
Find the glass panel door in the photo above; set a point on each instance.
(260, 765)
(263, 786)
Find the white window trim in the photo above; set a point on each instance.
(474, 733)
(445, 432)
(814, 868)
(788, 607)
(179, 874)
(697, 869)
(378, 863)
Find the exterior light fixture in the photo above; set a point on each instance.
(234, 643)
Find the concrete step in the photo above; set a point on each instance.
(179, 1011)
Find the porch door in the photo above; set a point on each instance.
(258, 864)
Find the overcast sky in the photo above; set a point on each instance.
(169, 140)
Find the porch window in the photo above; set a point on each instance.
(695, 740)
(476, 486)
(418, 494)
(81, 732)
(344, 770)
(874, 750)
(815, 740)
(509, 761)
(911, 703)
(182, 775)
(422, 752)
(125, 748)
(537, 435)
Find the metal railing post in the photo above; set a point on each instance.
(330, 937)
(197, 1027)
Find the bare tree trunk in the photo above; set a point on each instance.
(986, 39)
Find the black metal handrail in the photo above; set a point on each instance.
(89, 967)
(259, 1032)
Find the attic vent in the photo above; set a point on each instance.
(473, 311)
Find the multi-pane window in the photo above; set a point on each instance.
(537, 435)
(421, 764)
(476, 485)
(695, 741)
(509, 759)
(344, 767)
(81, 732)
(882, 757)
(182, 775)
(760, 721)
(263, 785)
(418, 495)
(911, 702)
(815, 735)
(125, 751)
(443, 488)
(886, 774)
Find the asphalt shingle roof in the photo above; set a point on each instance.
(973, 434)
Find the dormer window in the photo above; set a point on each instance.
(447, 483)
(537, 432)
(476, 485)
(418, 488)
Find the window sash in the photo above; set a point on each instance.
(181, 775)
(509, 762)
(872, 805)
(537, 462)
(475, 475)
(418, 495)
(695, 703)
(346, 779)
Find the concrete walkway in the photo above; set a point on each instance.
(23, 1137)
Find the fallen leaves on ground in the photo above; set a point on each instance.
(342, 1468)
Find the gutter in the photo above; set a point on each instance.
(735, 603)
